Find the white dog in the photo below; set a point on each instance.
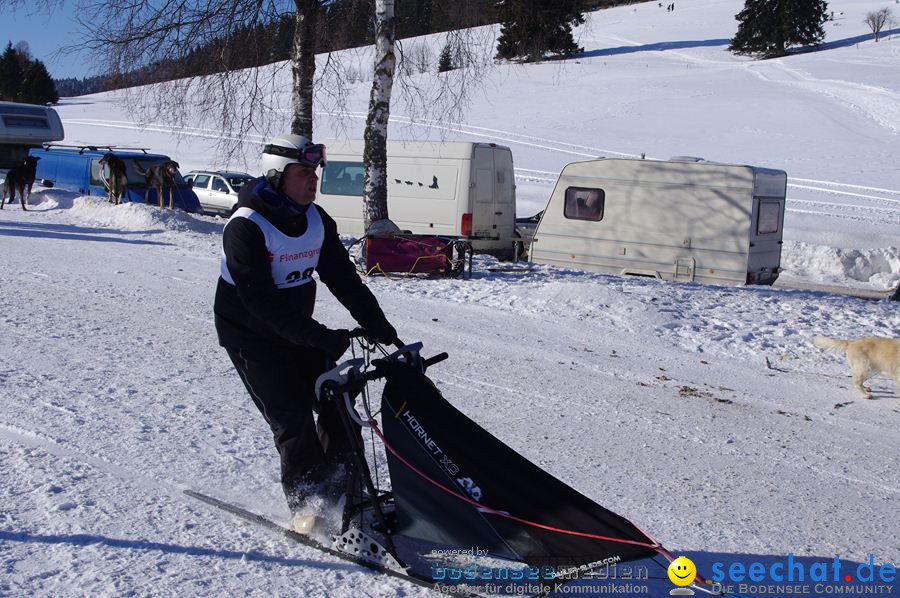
(868, 356)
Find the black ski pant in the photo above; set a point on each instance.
(281, 384)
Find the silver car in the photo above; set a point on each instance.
(217, 190)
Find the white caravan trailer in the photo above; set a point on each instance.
(684, 219)
(24, 126)
(457, 189)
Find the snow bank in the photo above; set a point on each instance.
(96, 211)
(878, 268)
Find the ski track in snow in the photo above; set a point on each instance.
(880, 104)
(877, 103)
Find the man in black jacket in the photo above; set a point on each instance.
(264, 304)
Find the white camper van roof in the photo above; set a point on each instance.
(766, 181)
(29, 124)
(419, 149)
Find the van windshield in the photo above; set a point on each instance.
(135, 179)
(343, 178)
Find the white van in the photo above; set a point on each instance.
(683, 219)
(457, 189)
(22, 127)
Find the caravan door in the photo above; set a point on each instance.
(766, 226)
(494, 209)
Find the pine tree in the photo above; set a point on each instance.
(769, 27)
(10, 74)
(37, 85)
(530, 29)
(423, 16)
(23, 79)
(445, 61)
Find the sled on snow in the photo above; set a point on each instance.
(417, 254)
(453, 485)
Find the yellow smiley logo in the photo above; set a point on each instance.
(682, 571)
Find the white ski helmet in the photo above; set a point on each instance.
(289, 149)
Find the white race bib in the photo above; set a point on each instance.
(293, 259)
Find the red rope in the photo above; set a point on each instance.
(656, 546)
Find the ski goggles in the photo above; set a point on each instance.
(312, 155)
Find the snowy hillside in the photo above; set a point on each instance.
(661, 84)
(702, 413)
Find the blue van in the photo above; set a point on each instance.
(78, 169)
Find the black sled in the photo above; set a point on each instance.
(454, 485)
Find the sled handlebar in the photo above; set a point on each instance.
(360, 332)
(377, 373)
(435, 359)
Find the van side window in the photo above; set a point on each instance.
(96, 175)
(584, 204)
(201, 180)
(767, 221)
(343, 178)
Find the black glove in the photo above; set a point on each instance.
(382, 332)
(334, 343)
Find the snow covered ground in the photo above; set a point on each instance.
(702, 413)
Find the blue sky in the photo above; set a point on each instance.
(46, 34)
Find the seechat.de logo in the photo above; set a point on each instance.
(682, 573)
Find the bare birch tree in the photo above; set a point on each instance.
(303, 67)
(436, 102)
(375, 152)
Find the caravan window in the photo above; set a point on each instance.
(25, 122)
(767, 222)
(24, 117)
(584, 204)
(343, 178)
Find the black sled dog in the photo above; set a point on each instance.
(20, 179)
(159, 177)
(115, 177)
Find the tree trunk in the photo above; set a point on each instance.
(783, 28)
(375, 152)
(303, 67)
